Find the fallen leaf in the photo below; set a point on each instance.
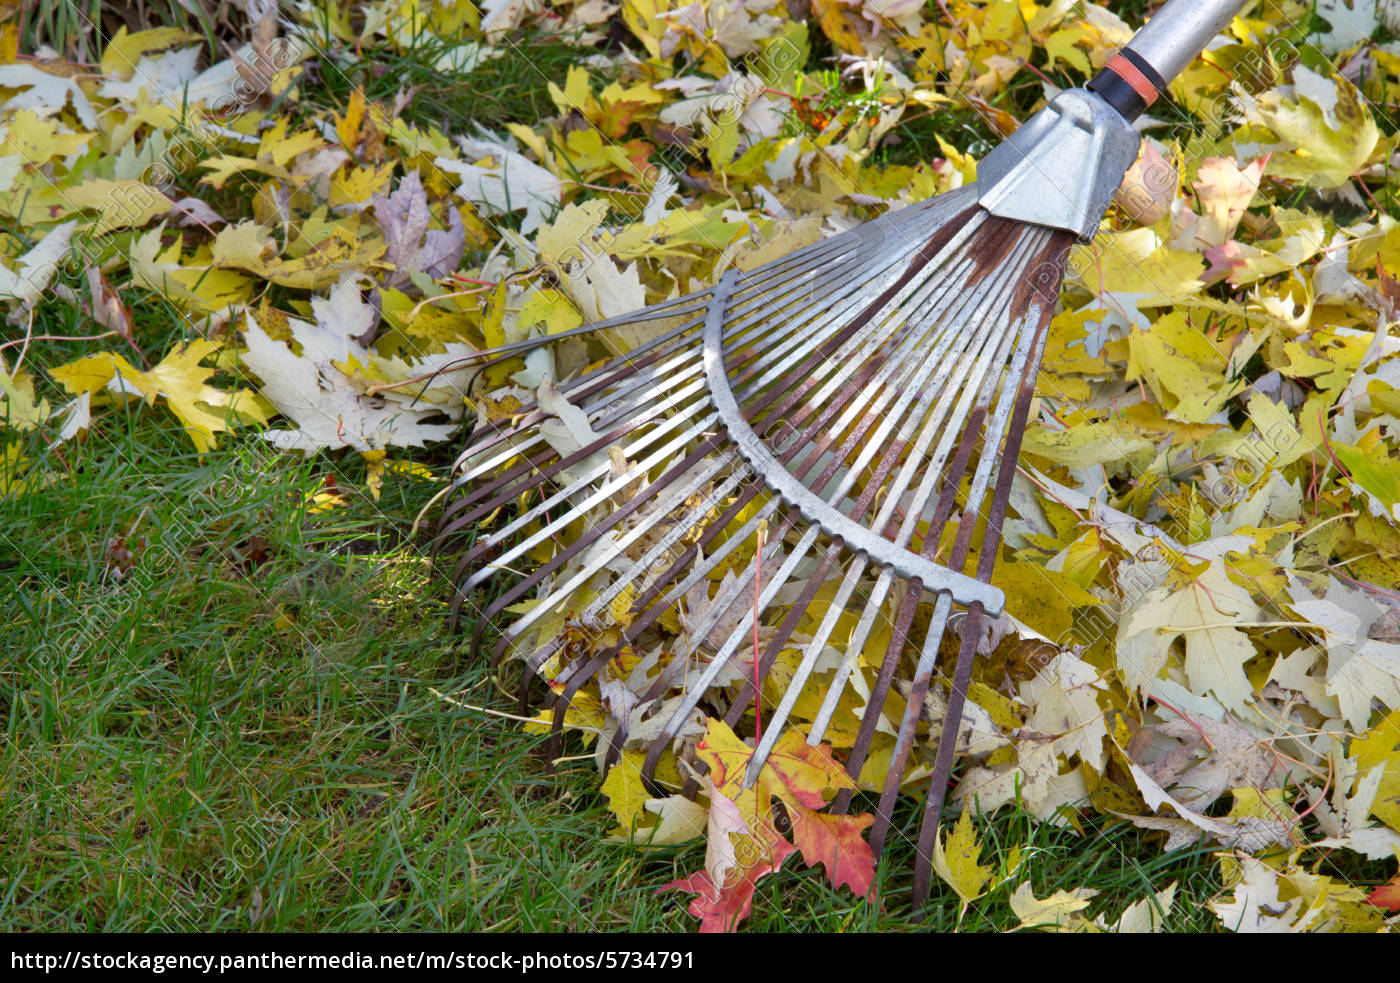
(410, 245)
(179, 379)
(330, 407)
(1328, 125)
(36, 267)
(1148, 915)
(45, 93)
(1360, 669)
(627, 796)
(836, 843)
(955, 860)
(1055, 911)
(501, 181)
(1387, 896)
(1254, 907)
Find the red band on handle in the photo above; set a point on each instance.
(1129, 73)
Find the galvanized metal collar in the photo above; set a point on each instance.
(1062, 167)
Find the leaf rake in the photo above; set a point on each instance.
(855, 409)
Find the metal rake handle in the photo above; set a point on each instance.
(856, 537)
(1180, 31)
(1062, 168)
(1134, 77)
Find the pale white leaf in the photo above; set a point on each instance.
(1255, 906)
(37, 267)
(499, 181)
(45, 94)
(1054, 911)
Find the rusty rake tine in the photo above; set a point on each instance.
(681, 529)
(595, 496)
(785, 629)
(726, 652)
(622, 369)
(927, 663)
(484, 509)
(943, 762)
(894, 450)
(504, 492)
(970, 432)
(957, 694)
(730, 646)
(614, 519)
(856, 569)
(932, 639)
(673, 498)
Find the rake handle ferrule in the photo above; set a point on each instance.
(1134, 78)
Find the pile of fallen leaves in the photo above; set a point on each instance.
(1203, 612)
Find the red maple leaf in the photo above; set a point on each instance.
(722, 910)
(1387, 896)
(835, 843)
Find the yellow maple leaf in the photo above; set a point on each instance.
(1329, 126)
(179, 379)
(120, 204)
(247, 246)
(955, 860)
(1064, 44)
(584, 713)
(36, 141)
(551, 308)
(1056, 911)
(838, 22)
(124, 51)
(13, 477)
(275, 151)
(226, 166)
(18, 409)
(643, 19)
(347, 128)
(627, 796)
(1135, 263)
(1381, 746)
(1210, 613)
(1184, 369)
(195, 287)
(356, 185)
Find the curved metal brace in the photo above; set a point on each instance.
(856, 537)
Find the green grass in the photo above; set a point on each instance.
(510, 88)
(80, 29)
(239, 730)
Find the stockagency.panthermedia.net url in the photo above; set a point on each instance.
(206, 963)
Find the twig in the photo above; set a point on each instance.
(30, 336)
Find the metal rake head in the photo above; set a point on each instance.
(844, 420)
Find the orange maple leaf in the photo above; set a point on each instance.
(836, 843)
(1387, 896)
(799, 775)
